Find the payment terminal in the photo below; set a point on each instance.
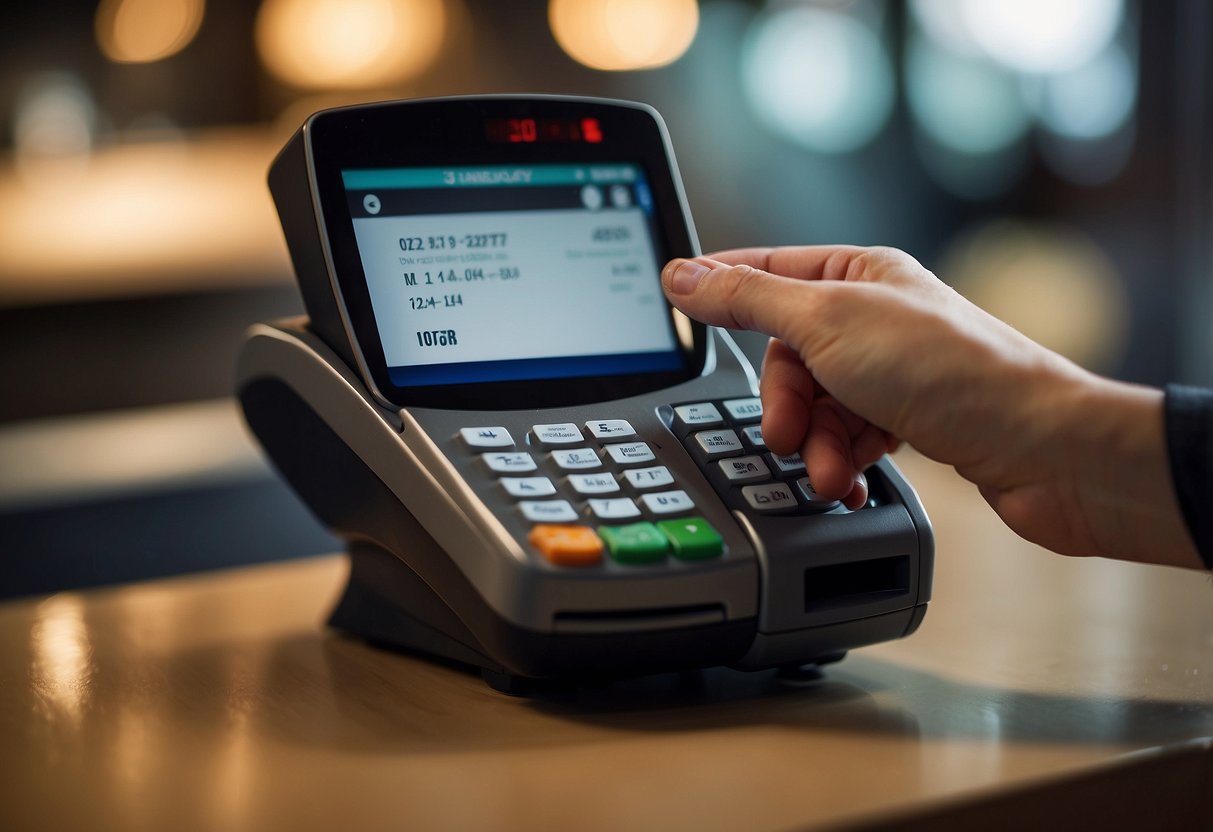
(540, 467)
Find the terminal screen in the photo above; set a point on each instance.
(510, 273)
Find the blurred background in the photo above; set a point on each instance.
(1052, 159)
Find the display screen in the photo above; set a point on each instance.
(512, 272)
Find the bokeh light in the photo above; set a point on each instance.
(963, 103)
(1087, 161)
(53, 130)
(1089, 101)
(943, 22)
(974, 177)
(142, 217)
(349, 44)
(819, 78)
(1042, 36)
(622, 35)
(1052, 283)
(142, 31)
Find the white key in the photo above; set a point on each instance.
(654, 477)
(773, 496)
(603, 483)
(699, 415)
(811, 496)
(548, 511)
(487, 437)
(790, 464)
(741, 469)
(528, 486)
(753, 435)
(610, 429)
(718, 443)
(511, 463)
(576, 458)
(668, 502)
(743, 410)
(619, 508)
(631, 452)
(565, 433)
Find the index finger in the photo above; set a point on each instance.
(825, 262)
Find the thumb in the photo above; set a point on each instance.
(734, 296)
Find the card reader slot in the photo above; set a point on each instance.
(838, 567)
(637, 621)
(858, 582)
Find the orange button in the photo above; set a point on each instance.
(567, 545)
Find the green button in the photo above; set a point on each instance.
(635, 543)
(693, 538)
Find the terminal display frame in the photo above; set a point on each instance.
(460, 132)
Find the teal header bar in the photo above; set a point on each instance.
(510, 176)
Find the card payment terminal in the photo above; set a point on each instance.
(540, 467)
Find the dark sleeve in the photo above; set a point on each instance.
(1189, 413)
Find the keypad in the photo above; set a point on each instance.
(598, 491)
(731, 451)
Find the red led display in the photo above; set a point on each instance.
(529, 130)
(590, 130)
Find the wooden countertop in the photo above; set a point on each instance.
(220, 702)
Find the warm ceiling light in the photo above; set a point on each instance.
(349, 44)
(624, 34)
(141, 31)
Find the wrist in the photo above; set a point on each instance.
(1120, 475)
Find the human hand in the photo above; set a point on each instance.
(871, 349)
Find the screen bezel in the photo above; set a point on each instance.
(450, 132)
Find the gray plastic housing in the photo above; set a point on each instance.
(774, 580)
(440, 560)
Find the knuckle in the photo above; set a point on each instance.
(738, 286)
(866, 264)
(881, 262)
(736, 277)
